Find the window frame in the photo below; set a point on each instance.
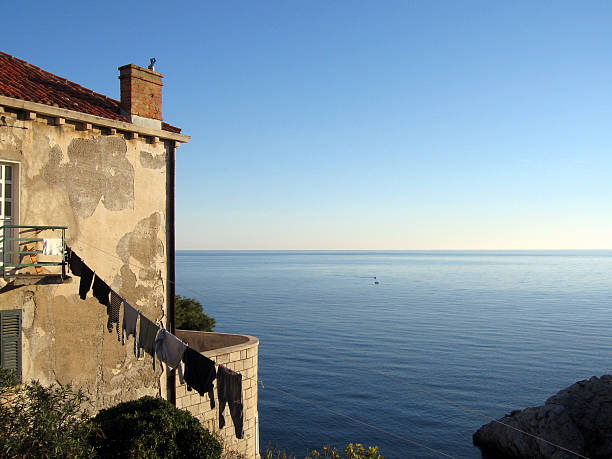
(15, 199)
(11, 341)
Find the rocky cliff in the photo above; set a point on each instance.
(578, 419)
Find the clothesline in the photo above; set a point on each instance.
(190, 353)
(357, 362)
(200, 371)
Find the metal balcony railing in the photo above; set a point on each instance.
(19, 241)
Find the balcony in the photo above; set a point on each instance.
(23, 259)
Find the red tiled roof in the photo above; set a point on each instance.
(22, 80)
(170, 128)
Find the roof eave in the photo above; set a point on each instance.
(48, 110)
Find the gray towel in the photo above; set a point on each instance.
(170, 350)
(146, 337)
(130, 320)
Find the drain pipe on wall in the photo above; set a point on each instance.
(170, 241)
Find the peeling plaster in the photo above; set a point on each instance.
(143, 245)
(28, 310)
(96, 170)
(151, 161)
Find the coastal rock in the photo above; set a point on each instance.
(578, 418)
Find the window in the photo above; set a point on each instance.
(6, 193)
(10, 341)
(8, 208)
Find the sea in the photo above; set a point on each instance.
(408, 351)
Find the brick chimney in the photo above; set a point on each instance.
(141, 95)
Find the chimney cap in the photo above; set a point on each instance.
(129, 68)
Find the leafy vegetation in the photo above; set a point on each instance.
(189, 315)
(38, 421)
(152, 427)
(42, 422)
(352, 451)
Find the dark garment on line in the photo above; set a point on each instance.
(199, 374)
(229, 390)
(101, 291)
(130, 319)
(76, 264)
(146, 337)
(113, 313)
(86, 278)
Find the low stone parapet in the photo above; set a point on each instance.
(238, 353)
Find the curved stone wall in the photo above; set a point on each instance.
(239, 353)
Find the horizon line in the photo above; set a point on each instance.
(395, 250)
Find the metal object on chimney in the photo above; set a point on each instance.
(152, 64)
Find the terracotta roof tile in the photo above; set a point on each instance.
(170, 128)
(22, 80)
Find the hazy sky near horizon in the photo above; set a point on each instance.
(363, 125)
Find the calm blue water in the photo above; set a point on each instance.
(493, 331)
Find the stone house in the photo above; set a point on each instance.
(98, 174)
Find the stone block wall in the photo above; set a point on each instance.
(238, 353)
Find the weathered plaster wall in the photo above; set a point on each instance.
(243, 358)
(111, 194)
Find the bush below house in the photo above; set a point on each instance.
(152, 427)
(41, 422)
(38, 421)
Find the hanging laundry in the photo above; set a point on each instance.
(113, 313)
(86, 278)
(101, 291)
(199, 373)
(146, 337)
(170, 350)
(76, 264)
(130, 319)
(52, 246)
(229, 390)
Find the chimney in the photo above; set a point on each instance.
(141, 95)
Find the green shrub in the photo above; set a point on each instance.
(189, 315)
(352, 451)
(41, 422)
(8, 379)
(152, 427)
(37, 421)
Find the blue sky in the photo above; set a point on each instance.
(363, 125)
